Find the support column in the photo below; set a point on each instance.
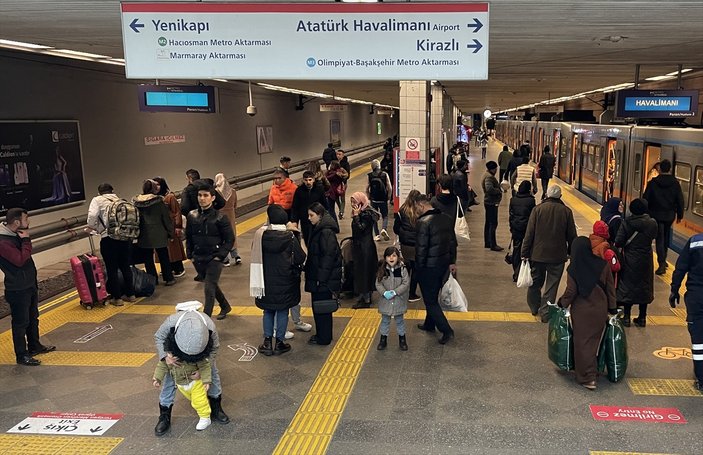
(413, 124)
(436, 116)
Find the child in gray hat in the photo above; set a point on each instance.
(191, 342)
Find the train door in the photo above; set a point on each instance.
(556, 148)
(564, 159)
(667, 153)
(652, 157)
(609, 168)
(637, 174)
(620, 169)
(575, 159)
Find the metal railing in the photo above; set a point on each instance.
(66, 230)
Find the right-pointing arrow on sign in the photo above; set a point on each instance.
(477, 25)
(476, 46)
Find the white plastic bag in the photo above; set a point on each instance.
(452, 297)
(524, 277)
(461, 228)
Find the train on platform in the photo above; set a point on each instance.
(603, 161)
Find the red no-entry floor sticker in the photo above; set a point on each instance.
(626, 413)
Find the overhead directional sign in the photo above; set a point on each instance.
(332, 41)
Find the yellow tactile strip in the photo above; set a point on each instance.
(665, 387)
(311, 430)
(55, 445)
(601, 452)
(90, 359)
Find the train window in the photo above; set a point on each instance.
(698, 192)
(637, 180)
(682, 172)
(599, 156)
(591, 156)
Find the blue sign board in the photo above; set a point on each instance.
(177, 98)
(657, 103)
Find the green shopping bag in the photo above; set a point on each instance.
(560, 340)
(615, 349)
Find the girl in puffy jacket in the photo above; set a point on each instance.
(601, 246)
(393, 283)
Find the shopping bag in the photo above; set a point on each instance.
(524, 277)
(461, 228)
(452, 297)
(615, 349)
(560, 338)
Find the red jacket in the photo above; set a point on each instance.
(283, 194)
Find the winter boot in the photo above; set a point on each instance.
(640, 322)
(164, 420)
(216, 412)
(281, 347)
(266, 347)
(382, 344)
(403, 343)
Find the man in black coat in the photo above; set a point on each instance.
(304, 196)
(435, 257)
(665, 199)
(209, 239)
(461, 183)
(189, 195)
(445, 201)
(329, 155)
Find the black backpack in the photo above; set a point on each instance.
(377, 187)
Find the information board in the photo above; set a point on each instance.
(334, 41)
(657, 103)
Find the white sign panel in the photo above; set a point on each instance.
(170, 139)
(66, 423)
(322, 41)
(411, 169)
(333, 107)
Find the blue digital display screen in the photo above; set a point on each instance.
(657, 103)
(176, 99)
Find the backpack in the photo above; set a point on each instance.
(377, 187)
(122, 220)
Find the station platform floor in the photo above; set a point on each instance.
(492, 390)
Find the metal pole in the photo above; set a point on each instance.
(678, 78)
(637, 75)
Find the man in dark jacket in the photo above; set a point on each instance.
(665, 200)
(691, 262)
(445, 201)
(435, 257)
(304, 196)
(209, 239)
(503, 161)
(329, 155)
(460, 183)
(547, 243)
(344, 164)
(546, 169)
(521, 206)
(21, 290)
(189, 195)
(492, 194)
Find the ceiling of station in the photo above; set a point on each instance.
(538, 50)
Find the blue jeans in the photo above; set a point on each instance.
(168, 387)
(281, 317)
(383, 208)
(385, 328)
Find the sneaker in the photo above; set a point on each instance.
(238, 260)
(385, 236)
(203, 423)
(414, 298)
(289, 335)
(129, 298)
(116, 302)
(198, 278)
(226, 263)
(179, 274)
(170, 283)
(698, 385)
(377, 238)
(303, 326)
(341, 216)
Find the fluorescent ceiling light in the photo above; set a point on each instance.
(668, 76)
(20, 44)
(295, 91)
(112, 61)
(69, 52)
(359, 1)
(220, 80)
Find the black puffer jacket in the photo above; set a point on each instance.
(323, 269)
(283, 260)
(436, 242)
(364, 254)
(446, 203)
(665, 199)
(189, 196)
(208, 235)
(521, 206)
(404, 229)
(636, 278)
(546, 166)
(460, 184)
(303, 198)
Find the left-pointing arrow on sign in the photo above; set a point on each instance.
(476, 46)
(135, 25)
(23, 427)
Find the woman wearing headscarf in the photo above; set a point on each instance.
(230, 196)
(323, 269)
(636, 279)
(364, 253)
(590, 294)
(155, 229)
(611, 213)
(274, 280)
(176, 252)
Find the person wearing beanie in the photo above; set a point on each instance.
(274, 280)
(636, 278)
(187, 342)
(492, 194)
(209, 240)
(503, 161)
(379, 191)
(547, 243)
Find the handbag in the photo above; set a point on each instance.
(509, 254)
(560, 338)
(461, 229)
(326, 306)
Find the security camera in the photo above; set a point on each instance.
(251, 110)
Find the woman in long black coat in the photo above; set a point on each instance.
(323, 269)
(364, 254)
(155, 230)
(636, 278)
(520, 209)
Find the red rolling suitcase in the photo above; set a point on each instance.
(89, 279)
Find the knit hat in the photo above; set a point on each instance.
(191, 333)
(491, 165)
(639, 207)
(276, 214)
(554, 191)
(600, 228)
(375, 164)
(505, 148)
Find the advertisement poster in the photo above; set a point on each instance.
(264, 139)
(411, 171)
(336, 132)
(40, 164)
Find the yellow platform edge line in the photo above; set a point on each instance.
(46, 444)
(602, 452)
(316, 420)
